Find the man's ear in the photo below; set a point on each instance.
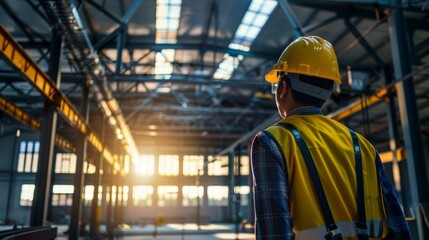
(283, 89)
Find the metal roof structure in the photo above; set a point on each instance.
(136, 76)
(114, 47)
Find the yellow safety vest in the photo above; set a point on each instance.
(331, 148)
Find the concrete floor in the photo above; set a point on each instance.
(175, 231)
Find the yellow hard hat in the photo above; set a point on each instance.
(312, 56)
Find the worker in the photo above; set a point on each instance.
(313, 177)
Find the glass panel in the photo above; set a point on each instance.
(242, 30)
(244, 194)
(55, 199)
(69, 200)
(260, 20)
(167, 196)
(145, 165)
(191, 194)
(62, 200)
(27, 192)
(65, 166)
(142, 196)
(244, 169)
(114, 190)
(125, 192)
(21, 162)
(126, 164)
(268, 7)
(217, 166)
(217, 195)
(193, 163)
(63, 189)
(88, 194)
(58, 162)
(73, 159)
(253, 32)
(28, 157)
(248, 18)
(35, 162)
(168, 165)
(256, 5)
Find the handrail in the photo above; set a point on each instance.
(40, 233)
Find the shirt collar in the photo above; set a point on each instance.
(307, 110)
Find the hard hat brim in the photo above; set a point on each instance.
(272, 77)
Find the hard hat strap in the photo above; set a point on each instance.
(307, 88)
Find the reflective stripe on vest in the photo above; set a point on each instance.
(333, 155)
(347, 230)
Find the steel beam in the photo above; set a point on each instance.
(409, 115)
(361, 39)
(21, 62)
(293, 20)
(21, 116)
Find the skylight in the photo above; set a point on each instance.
(167, 23)
(249, 28)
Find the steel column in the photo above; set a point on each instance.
(408, 114)
(95, 218)
(231, 191)
(399, 168)
(79, 175)
(39, 210)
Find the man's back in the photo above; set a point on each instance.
(330, 145)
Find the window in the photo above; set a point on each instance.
(144, 166)
(167, 196)
(167, 20)
(113, 190)
(193, 163)
(65, 163)
(100, 195)
(123, 195)
(27, 192)
(167, 23)
(28, 156)
(88, 168)
(250, 26)
(88, 195)
(244, 168)
(217, 166)
(244, 194)
(62, 195)
(168, 165)
(142, 196)
(191, 194)
(127, 164)
(217, 195)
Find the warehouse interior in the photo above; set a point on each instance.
(151, 106)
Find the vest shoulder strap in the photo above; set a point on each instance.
(331, 227)
(332, 231)
(361, 227)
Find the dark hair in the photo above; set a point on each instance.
(304, 98)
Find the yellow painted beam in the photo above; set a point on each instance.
(16, 57)
(387, 157)
(359, 105)
(22, 117)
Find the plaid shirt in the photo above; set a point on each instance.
(272, 210)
